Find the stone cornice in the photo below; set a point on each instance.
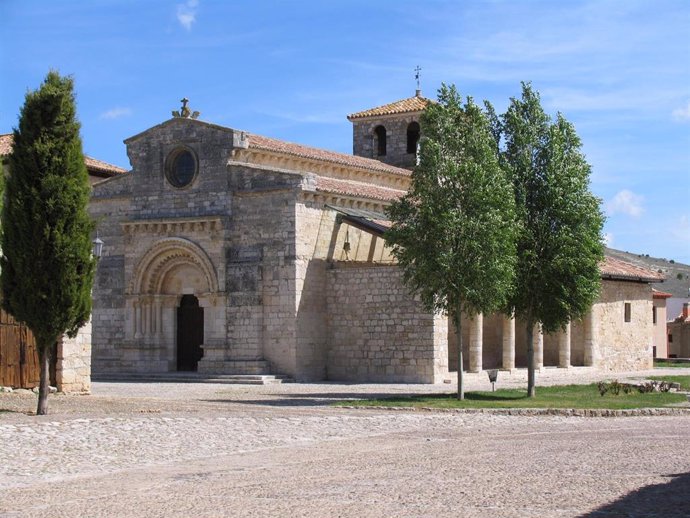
(205, 225)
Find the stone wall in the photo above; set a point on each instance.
(377, 332)
(109, 207)
(621, 345)
(73, 366)
(261, 267)
(660, 332)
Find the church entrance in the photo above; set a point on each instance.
(190, 333)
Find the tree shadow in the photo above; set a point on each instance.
(315, 399)
(668, 499)
(329, 398)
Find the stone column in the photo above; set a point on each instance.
(476, 342)
(508, 342)
(137, 320)
(590, 326)
(538, 343)
(564, 347)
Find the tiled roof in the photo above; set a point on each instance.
(612, 268)
(6, 144)
(360, 190)
(660, 294)
(411, 104)
(298, 150)
(92, 164)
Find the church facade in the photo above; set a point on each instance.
(234, 253)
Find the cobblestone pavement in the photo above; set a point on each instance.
(214, 450)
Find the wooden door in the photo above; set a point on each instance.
(19, 365)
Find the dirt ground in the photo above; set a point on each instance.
(165, 449)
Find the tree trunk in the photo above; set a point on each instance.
(530, 359)
(44, 385)
(458, 329)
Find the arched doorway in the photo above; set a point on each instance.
(176, 314)
(190, 333)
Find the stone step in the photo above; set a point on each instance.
(193, 377)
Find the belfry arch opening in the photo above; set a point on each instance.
(380, 140)
(412, 137)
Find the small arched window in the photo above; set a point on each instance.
(380, 133)
(412, 137)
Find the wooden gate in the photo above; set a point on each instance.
(19, 365)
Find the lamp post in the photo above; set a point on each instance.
(97, 248)
(493, 376)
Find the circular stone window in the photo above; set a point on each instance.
(181, 168)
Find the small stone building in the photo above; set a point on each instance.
(659, 313)
(230, 252)
(679, 334)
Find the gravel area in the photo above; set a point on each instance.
(167, 449)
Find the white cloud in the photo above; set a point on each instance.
(116, 113)
(626, 202)
(680, 229)
(682, 114)
(186, 13)
(608, 239)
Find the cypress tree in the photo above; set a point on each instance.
(47, 266)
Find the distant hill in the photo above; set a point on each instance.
(668, 267)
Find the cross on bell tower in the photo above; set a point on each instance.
(418, 92)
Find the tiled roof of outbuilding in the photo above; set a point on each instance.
(98, 167)
(6, 144)
(661, 294)
(612, 268)
(409, 105)
(298, 150)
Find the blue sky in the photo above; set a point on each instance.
(619, 70)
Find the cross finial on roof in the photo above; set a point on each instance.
(185, 111)
(417, 70)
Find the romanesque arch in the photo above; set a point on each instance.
(167, 262)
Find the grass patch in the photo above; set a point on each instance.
(563, 396)
(683, 380)
(664, 364)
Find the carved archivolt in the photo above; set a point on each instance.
(167, 256)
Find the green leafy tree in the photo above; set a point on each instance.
(453, 232)
(559, 241)
(47, 267)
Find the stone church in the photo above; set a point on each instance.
(233, 253)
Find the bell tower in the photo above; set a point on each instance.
(389, 133)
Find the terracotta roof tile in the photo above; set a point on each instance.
(660, 294)
(99, 165)
(361, 190)
(616, 269)
(298, 150)
(6, 144)
(411, 104)
(92, 164)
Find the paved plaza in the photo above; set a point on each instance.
(174, 449)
